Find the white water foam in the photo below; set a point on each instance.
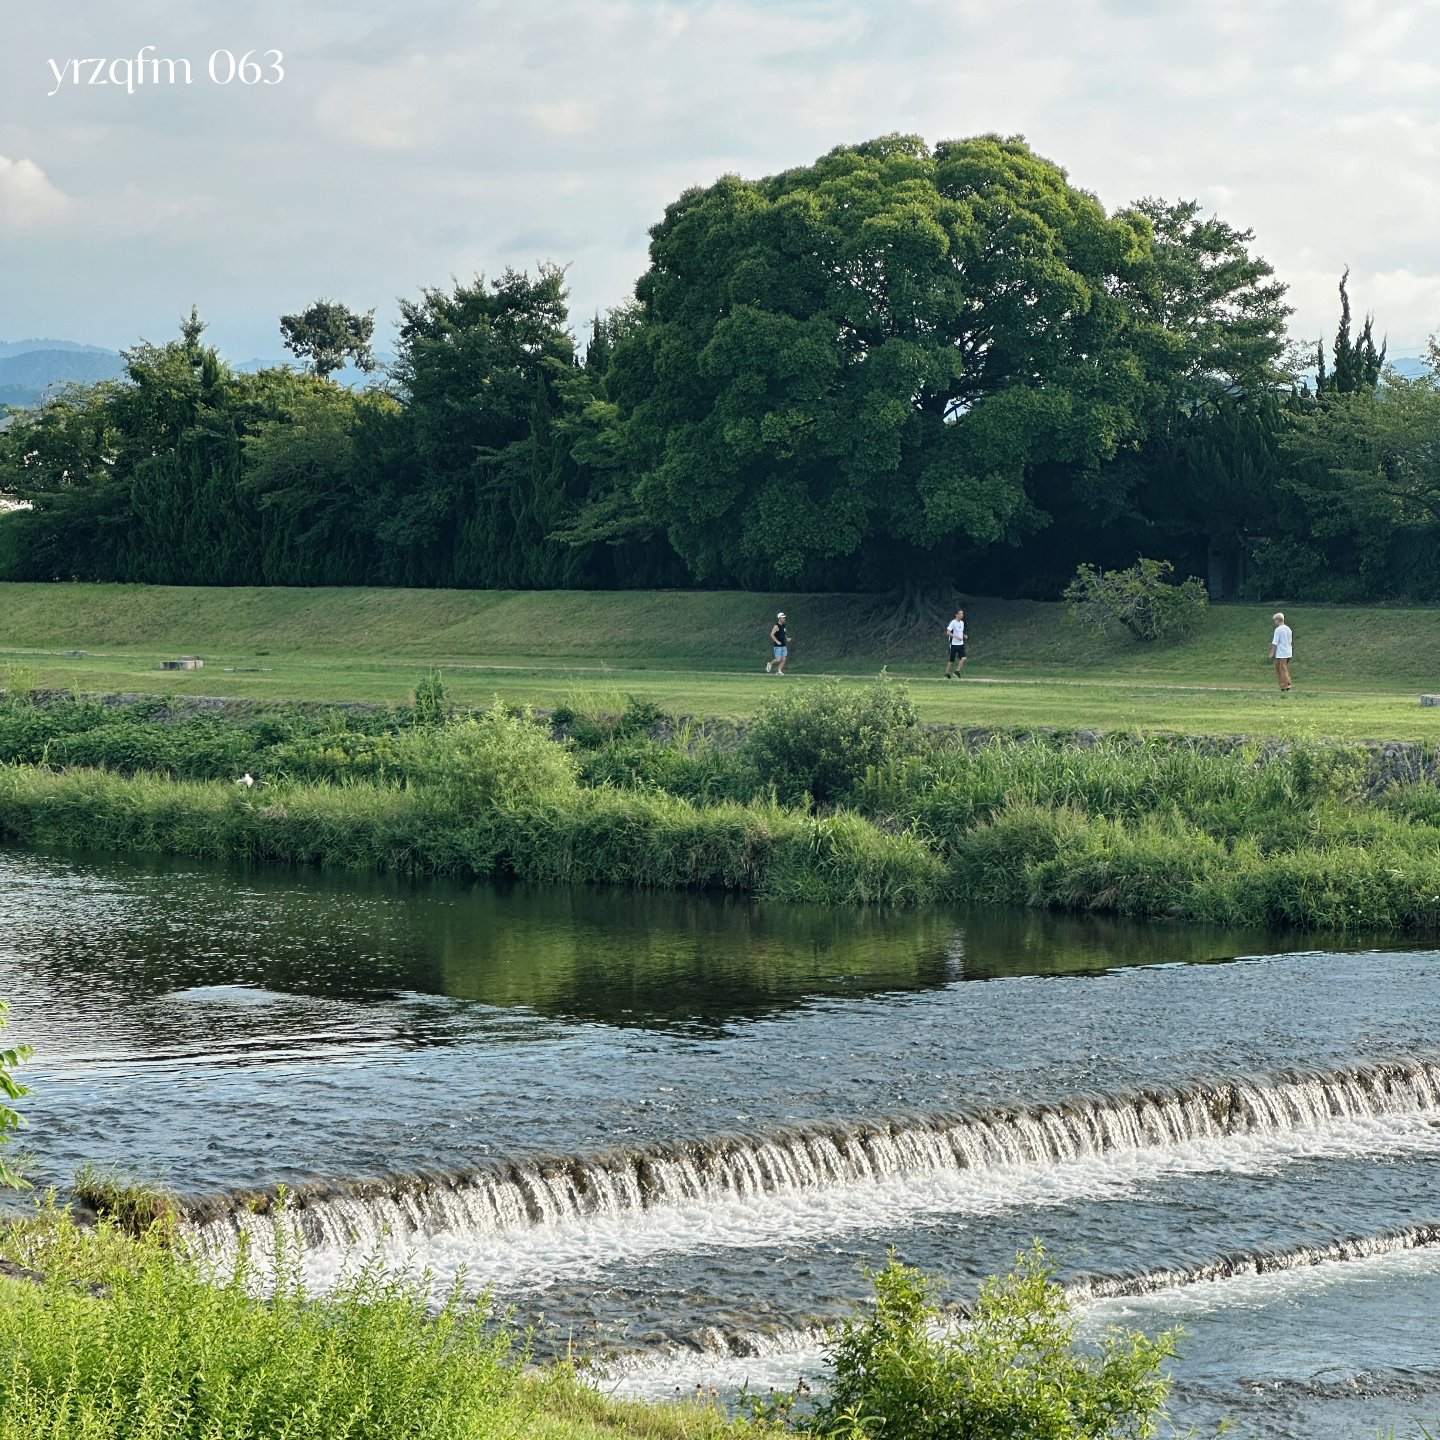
(1155, 1299)
(527, 1225)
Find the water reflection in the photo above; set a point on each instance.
(140, 931)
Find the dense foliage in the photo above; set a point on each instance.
(1143, 599)
(869, 362)
(1013, 1368)
(901, 366)
(819, 742)
(453, 473)
(830, 794)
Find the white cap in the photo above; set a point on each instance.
(781, 615)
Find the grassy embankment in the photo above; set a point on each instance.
(834, 795)
(1359, 672)
(116, 1336)
(126, 1335)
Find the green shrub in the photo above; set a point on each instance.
(494, 758)
(1013, 1369)
(1142, 599)
(995, 863)
(821, 741)
(598, 717)
(431, 707)
(132, 738)
(140, 1341)
(11, 1089)
(704, 772)
(17, 684)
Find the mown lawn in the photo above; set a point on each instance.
(1358, 672)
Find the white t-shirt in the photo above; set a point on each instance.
(956, 631)
(1281, 643)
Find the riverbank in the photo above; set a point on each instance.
(1359, 672)
(121, 1335)
(832, 796)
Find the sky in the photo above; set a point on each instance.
(394, 146)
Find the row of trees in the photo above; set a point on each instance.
(947, 367)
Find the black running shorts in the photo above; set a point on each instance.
(957, 652)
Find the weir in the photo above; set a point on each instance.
(807, 1339)
(1256, 1262)
(503, 1196)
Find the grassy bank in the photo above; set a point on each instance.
(833, 795)
(1359, 672)
(112, 1336)
(128, 1337)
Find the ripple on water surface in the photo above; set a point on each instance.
(386, 1044)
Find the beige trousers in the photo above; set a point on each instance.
(1282, 672)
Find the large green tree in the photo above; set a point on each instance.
(884, 349)
(486, 480)
(329, 335)
(507, 434)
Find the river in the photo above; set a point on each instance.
(670, 1130)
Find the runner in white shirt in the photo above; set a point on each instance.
(955, 632)
(1282, 650)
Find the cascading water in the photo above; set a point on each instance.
(800, 1347)
(1255, 1262)
(553, 1190)
(673, 1133)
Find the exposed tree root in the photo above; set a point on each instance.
(913, 612)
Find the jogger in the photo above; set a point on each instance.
(955, 632)
(782, 647)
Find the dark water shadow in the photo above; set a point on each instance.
(141, 929)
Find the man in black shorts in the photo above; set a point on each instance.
(955, 633)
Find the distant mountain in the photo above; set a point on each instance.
(20, 347)
(350, 376)
(39, 368)
(26, 375)
(1412, 367)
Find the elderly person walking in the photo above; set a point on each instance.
(1281, 650)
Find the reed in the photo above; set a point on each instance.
(627, 837)
(1300, 833)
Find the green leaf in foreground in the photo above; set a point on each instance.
(1012, 1369)
(11, 1088)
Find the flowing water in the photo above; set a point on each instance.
(671, 1130)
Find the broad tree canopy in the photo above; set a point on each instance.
(887, 344)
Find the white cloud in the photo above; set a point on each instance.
(28, 200)
(411, 141)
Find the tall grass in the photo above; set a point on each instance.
(130, 1338)
(139, 1341)
(1321, 836)
(634, 837)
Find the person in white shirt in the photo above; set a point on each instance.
(955, 631)
(1281, 651)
